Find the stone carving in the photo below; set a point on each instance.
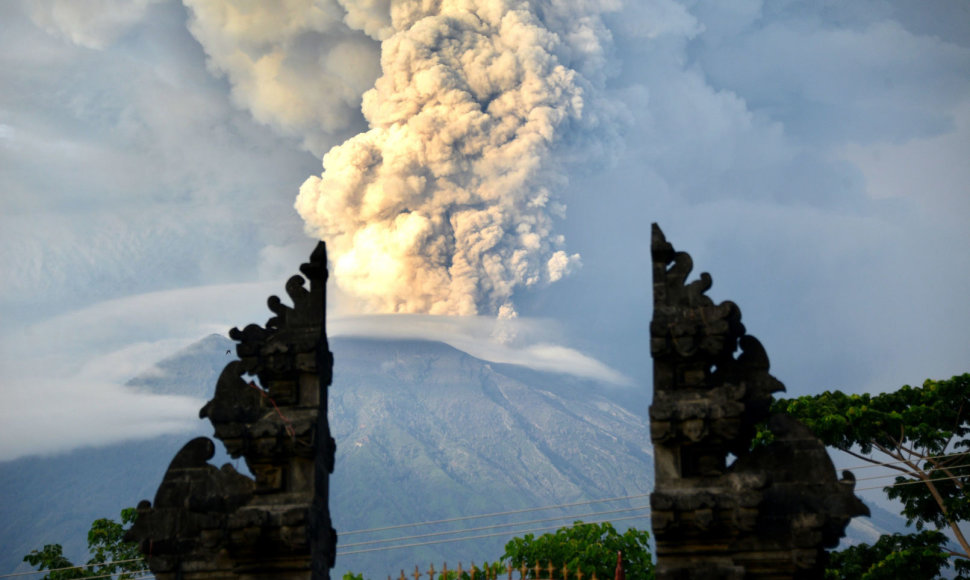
(269, 407)
(772, 511)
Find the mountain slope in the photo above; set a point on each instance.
(424, 432)
(452, 435)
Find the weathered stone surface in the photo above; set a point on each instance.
(269, 408)
(773, 511)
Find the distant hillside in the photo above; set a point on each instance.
(424, 432)
(427, 432)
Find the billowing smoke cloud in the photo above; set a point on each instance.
(443, 201)
(294, 64)
(443, 206)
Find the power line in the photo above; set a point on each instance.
(565, 505)
(902, 483)
(144, 573)
(81, 567)
(881, 464)
(147, 574)
(495, 514)
(513, 524)
(898, 475)
(462, 539)
(493, 526)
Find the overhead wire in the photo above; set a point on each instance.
(135, 574)
(147, 574)
(478, 537)
(590, 502)
(895, 474)
(495, 514)
(494, 526)
(886, 463)
(79, 567)
(515, 524)
(914, 482)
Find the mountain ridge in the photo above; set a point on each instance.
(424, 432)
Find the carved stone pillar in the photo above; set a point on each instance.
(270, 408)
(772, 511)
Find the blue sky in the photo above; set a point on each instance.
(811, 156)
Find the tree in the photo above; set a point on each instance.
(923, 433)
(591, 548)
(891, 557)
(110, 554)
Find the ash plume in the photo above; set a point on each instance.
(445, 202)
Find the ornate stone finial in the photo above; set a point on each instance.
(270, 408)
(769, 514)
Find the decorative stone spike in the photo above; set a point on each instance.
(218, 524)
(774, 510)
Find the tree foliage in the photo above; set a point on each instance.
(897, 556)
(591, 548)
(110, 554)
(922, 433)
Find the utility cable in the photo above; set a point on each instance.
(147, 574)
(492, 527)
(900, 475)
(526, 510)
(881, 464)
(462, 539)
(513, 524)
(81, 567)
(495, 514)
(902, 483)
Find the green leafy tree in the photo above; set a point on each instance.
(591, 548)
(923, 433)
(110, 554)
(890, 558)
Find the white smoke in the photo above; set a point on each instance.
(294, 64)
(444, 200)
(444, 205)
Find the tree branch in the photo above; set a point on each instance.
(961, 539)
(873, 461)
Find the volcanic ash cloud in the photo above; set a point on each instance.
(440, 207)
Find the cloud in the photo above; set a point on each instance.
(55, 403)
(97, 413)
(296, 65)
(531, 343)
(63, 378)
(123, 175)
(830, 75)
(929, 171)
(89, 23)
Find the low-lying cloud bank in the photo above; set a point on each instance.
(526, 342)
